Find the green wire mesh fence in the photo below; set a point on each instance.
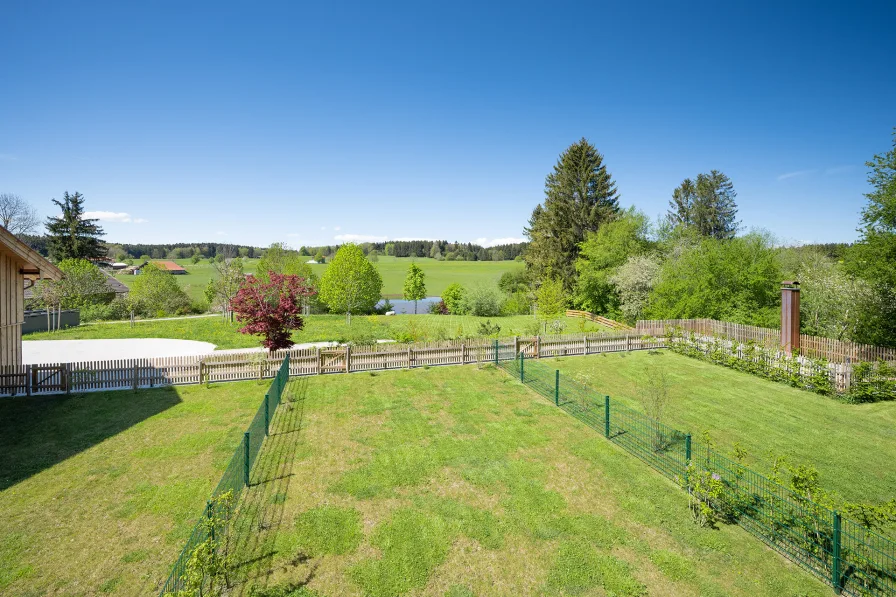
(235, 478)
(842, 552)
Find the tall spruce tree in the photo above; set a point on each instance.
(580, 196)
(71, 235)
(706, 204)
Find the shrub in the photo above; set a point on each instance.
(156, 292)
(453, 297)
(439, 308)
(117, 309)
(482, 301)
(517, 303)
(487, 328)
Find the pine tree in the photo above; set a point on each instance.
(72, 236)
(580, 196)
(706, 205)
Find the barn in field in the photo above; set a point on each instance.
(170, 267)
(20, 266)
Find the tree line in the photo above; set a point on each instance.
(697, 262)
(438, 249)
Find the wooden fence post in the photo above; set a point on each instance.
(463, 354)
(348, 358)
(537, 347)
(516, 347)
(136, 377)
(409, 357)
(27, 380)
(67, 372)
(320, 362)
(585, 341)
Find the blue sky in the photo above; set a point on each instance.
(317, 123)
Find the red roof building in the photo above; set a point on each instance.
(170, 267)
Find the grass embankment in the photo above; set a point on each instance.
(98, 492)
(318, 328)
(852, 446)
(461, 482)
(439, 274)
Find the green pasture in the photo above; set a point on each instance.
(439, 274)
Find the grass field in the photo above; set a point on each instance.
(461, 482)
(442, 481)
(439, 274)
(853, 446)
(98, 492)
(318, 328)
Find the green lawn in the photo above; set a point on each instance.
(441, 481)
(439, 274)
(99, 491)
(853, 446)
(459, 481)
(317, 328)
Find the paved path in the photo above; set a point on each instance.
(35, 352)
(68, 351)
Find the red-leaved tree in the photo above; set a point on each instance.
(272, 309)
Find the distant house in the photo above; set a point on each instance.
(114, 287)
(20, 266)
(170, 267)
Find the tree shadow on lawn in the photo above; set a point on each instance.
(39, 432)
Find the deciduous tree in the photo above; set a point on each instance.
(16, 215)
(550, 299)
(415, 285)
(272, 308)
(351, 284)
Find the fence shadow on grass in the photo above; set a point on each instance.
(38, 432)
(261, 510)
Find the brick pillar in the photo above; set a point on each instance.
(790, 316)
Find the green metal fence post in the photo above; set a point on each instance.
(607, 417)
(496, 352)
(557, 387)
(209, 513)
(835, 555)
(522, 366)
(246, 459)
(687, 448)
(267, 415)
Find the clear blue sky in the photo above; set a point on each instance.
(311, 124)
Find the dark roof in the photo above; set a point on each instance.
(111, 283)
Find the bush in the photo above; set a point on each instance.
(453, 297)
(482, 301)
(439, 308)
(155, 293)
(117, 309)
(514, 281)
(517, 303)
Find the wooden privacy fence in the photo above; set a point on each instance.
(599, 319)
(811, 346)
(195, 369)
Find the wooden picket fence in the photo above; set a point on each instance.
(835, 351)
(610, 323)
(56, 378)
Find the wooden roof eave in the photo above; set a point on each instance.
(35, 264)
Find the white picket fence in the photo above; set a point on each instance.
(216, 367)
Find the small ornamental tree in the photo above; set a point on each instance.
(351, 284)
(415, 285)
(271, 308)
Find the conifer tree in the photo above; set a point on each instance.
(580, 196)
(706, 204)
(71, 235)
